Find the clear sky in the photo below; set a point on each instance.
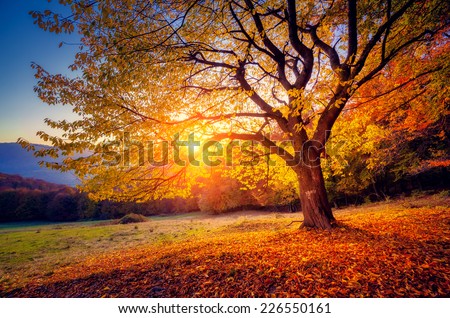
(22, 42)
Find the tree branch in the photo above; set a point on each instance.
(352, 32)
(329, 51)
(259, 137)
(377, 36)
(331, 113)
(200, 58)
(278, 56)
(240, 76)
(305, 52)
(391, 55)
(247, 36)
(383, 44)
(372, 98)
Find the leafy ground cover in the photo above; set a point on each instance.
(393, 249)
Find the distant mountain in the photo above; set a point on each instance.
(17, 161)
(16, 182)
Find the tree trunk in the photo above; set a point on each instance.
(313, 197)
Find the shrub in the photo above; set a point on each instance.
(221, 194)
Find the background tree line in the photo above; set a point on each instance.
(27, 199)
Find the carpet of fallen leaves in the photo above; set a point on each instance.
(401, 252)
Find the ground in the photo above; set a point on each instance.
(390, 249)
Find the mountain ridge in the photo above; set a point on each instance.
(14, 160)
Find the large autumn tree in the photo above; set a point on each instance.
(228, 69)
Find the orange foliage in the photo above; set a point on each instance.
(396, 253)
(438, 163)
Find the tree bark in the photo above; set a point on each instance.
(313, 197)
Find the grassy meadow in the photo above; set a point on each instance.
(390, 249)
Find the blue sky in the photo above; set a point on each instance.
(21, 111)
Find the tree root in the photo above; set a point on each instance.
(334, 224)
(297, 221)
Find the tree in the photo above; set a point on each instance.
(219, 194)
(397, 125)
(227, 69)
